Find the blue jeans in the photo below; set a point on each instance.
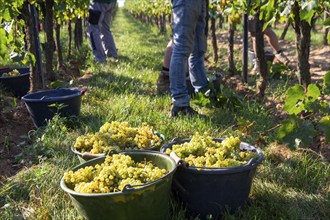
(98, 31)
(189, 45)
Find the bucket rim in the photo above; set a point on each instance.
(14, 77)
(77, 93)
(141, 187)
(8, 69)
(225, 170)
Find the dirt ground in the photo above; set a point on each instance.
(15, 122)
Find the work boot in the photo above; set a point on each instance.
(163, 82)
(282, 58)
(185, 111)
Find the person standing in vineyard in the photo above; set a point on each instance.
(98, 31)
(271, 38)
(163, 81)
(189, 46)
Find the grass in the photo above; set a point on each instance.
(292, 187)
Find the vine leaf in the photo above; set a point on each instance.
(326, 83)
(6, 15)
(324, 125)
(294, 101)
(326, 23)
(311, 101)
(313, 92)
(295, 132)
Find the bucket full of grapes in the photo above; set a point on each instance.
(116, 136)
(214, 174)
(123, 186)
(15, 80)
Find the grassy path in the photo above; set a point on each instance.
(293, 186)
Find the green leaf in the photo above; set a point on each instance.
(306, 132)
(313, 92)
(326, 83)
(294, 103)
(6, 15)
(3, 37)
(326, 23)
(287, 126)
(306, 15)
(324, 125)
(3, 50)
(29, 58)
(296, 132)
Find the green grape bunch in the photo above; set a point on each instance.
(117, 171)
(95, 143)
(11, 73)
(117, 136)
(204, 151)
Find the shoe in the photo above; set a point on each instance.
(100, 61)
(282, 58)
(184, 111)
(163, 82)
(115, 58)
(216, 80)
(256, 68)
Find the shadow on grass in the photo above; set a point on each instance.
(118, 84)
(271, 203)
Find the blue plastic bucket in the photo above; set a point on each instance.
(40, 104)
(18, 85)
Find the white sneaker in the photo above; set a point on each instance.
(282, 58)
(256, 68)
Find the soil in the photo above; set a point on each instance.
(15, 122)
(318, 68)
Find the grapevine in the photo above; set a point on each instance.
(204, 151)
(117, 171)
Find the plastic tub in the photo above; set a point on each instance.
(150, 201)
(210, 191)
(18, 85)
(40, 104)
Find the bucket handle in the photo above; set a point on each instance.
(178, 160)
(175, 140)
(44, 97)
(251, 162)
(88, 155)
(129, 187)
(83, 91)
(160, 135)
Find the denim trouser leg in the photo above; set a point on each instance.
(99, 34)
(196, 59)
(106, 35)
(188, 28)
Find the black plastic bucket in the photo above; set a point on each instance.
(40, 104)
(148, 202)
(211, 191)
(18, 85)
